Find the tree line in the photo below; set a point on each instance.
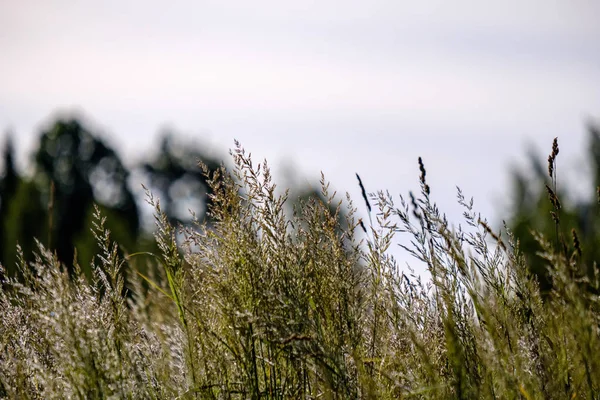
(74, 168)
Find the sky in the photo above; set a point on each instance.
(333, 86)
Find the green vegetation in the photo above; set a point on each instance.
(73, 168)
(575, 217)
(258, 303)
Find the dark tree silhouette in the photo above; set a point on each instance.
(10, 177)
(82, 169)
(9, 183)
(178, 181)
(73, 169)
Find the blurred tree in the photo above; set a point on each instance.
(9, 183)
(74, 169)
(10, 178)
(24, 222)
(305, 194)
(178, 181)
(531, 211)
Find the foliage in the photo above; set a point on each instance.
(260, 304)
(10, 183)
(174, 174)
(72, 169)
(532, 210)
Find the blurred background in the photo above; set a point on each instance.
(97, 98)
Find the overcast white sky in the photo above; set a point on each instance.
(338, 86)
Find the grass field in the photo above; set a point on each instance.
(266, 303)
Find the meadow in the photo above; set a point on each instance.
(268, 303)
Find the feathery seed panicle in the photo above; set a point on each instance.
(576, 243)
(422, 176)
(554, 216)
(413, 202)
(552, 157)
(553, 198)
(363, 192)
(490, 231)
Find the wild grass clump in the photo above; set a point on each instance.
(264, 303)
